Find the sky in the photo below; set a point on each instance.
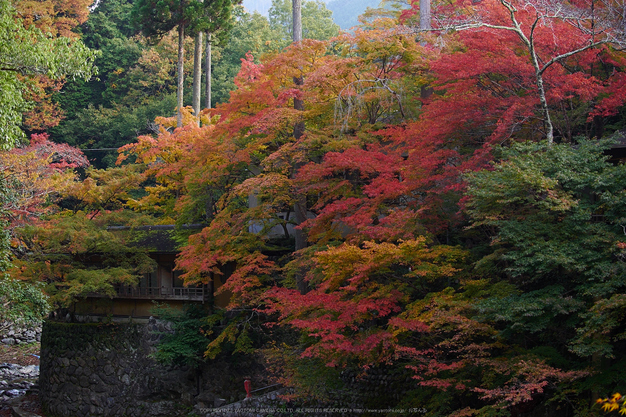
(261, 6)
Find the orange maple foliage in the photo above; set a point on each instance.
(381, 165)
(55, 18)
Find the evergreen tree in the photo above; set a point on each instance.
(155, 18)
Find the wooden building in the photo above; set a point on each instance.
(162, 286)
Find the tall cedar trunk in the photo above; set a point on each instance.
(300, 208)
(297, 20)
(179, 91)
(197, 75)
(425, 14)
(425, 17)
(207, 70)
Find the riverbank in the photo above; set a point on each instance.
(23, 356)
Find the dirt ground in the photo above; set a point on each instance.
(19, 354)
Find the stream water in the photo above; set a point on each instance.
(15, 380)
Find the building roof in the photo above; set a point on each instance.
(158, 238)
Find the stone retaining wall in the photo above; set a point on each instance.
(105, 370)
(19, 334)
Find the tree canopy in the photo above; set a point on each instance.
(26, 51)
(463, 188)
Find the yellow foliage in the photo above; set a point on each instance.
(616, 402)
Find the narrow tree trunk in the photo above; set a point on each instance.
(547, 121)
(541, 90)
(181, 74)
(197, 75)
(297, 20)
(298, 104)
(425, 14)
(207, 70)
(425, 91)
(300, 208)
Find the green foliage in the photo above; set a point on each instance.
(135, 86)
(5, 247)
(250, 33)
(22, 303)
(111, 19)
(557, 211)
(602, 328)
(239, 333)
(155, 18)
(533, 311)
(317, 21)
(109, 30)
(5, 236)
(27, 52)
(186, 343)
(76, 256)
(112, 127)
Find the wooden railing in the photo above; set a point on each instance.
(172, 293)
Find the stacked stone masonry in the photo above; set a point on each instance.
(15, 334)
(106, 370)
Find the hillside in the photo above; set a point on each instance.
(261, 6)
(345, 12)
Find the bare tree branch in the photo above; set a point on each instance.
(602, 23)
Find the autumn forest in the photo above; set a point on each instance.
(438, 193)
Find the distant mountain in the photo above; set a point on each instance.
(345, 12)
(261, 6)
